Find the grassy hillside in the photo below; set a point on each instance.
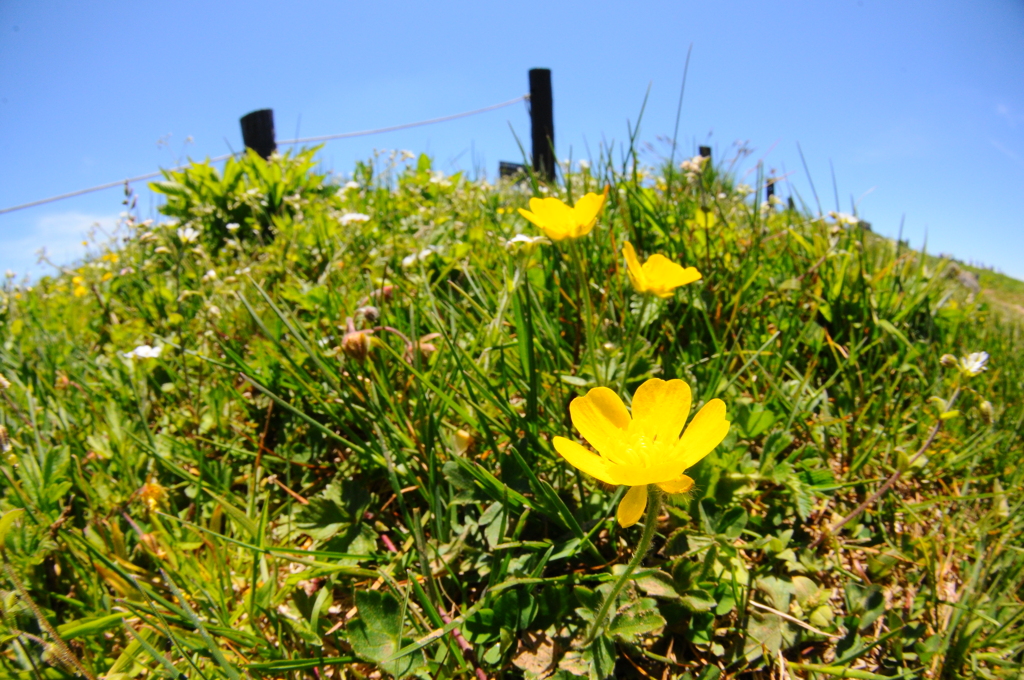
(305, 429)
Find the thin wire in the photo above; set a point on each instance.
(443, 119)
(306, 140)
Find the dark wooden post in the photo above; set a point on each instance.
(705, 152)
(542, 123)
(769, 190)
(258, 132)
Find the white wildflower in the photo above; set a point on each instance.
(974, 363)
(421, 256)
(584, 165)
(210, 275)
(233, 226)
(744, 189)
(188, 235)
(844, 218)
(351, 185)
(144, 352)
(521, 243)
(351, 217)
(693, 165)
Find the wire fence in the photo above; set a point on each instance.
(302, 140)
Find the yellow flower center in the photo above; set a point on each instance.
(636, 447)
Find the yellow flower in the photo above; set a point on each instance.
(559, 221)
(645, 448)
(659, 275)
(80, 291)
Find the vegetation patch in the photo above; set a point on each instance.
(635, 424)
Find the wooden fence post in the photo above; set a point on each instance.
(705, 152)
(542, 123)
(258, 132)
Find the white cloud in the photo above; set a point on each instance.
(60, 233)
(1005, 151)
(1004, 111)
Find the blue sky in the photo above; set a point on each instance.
(918, 106)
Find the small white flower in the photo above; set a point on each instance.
(210, 275)
(214, 310)
(351, 185)
(522, 243)
(438, 178)
(144, 352)
(694, 165)
(410, 260)
(127, 270)
(9, 274)
(188, 235)
(349, 218)
(162, 250)
(844, 218)
(744, 189)
(584, 166)
(973, 364)
(233, 227)
(407, 155)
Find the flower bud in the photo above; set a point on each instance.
(988, 413)
(356, 344)
(4, 383)
(370, 313)
(948, 360)
(463, 442)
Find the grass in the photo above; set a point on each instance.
(278, 495)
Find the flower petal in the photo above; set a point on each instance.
(661, 408)
(587, 209)
(633, 268)
(706, 431)
(680, 484)
(577, 456)
(600, 416)
(668, 275)
(554, 229)
(632, 506)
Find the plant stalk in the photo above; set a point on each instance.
(589, 332)
(650, 528)
(637, 326)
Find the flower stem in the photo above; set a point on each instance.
(632, 341)
(589, 332)
(650, 528)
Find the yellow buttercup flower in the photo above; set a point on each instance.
(559, 221)
(659, 275)
(645, 447)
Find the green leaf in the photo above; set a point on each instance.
(376, 634)
(637, 618)
(89, 626)
(697, 600)
(6, 521)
